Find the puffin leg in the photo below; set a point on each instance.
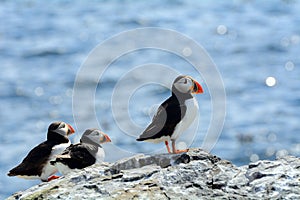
(167, 145)
(177, 151)
(53, 177)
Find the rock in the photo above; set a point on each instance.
(192, 175)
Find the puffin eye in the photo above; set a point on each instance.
(62, 126)
(95, 133)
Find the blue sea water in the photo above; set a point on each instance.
(255, 44)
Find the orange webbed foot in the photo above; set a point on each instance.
(53, 177)
(180, 151)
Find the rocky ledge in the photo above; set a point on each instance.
(193, 175)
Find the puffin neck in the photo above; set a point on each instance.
(87, 140)
(57, 138)
(181, 97)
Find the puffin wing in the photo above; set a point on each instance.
(33, 163)
(164, 121)
(76, 156)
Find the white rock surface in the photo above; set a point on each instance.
(193, 175)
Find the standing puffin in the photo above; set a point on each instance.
(174, 115)
(36, 165)
(88, 152)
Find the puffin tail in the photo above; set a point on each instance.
(11, 174)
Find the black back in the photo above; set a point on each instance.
(33, 163)
(168, 115)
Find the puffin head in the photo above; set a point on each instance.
(95, 136)
(61, 128)
(186, 85)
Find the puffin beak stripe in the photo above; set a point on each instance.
(71, 128)
(107, 138)
(197, 88)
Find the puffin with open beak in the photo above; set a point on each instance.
(86, 153)
(175, 114)
(36, 165)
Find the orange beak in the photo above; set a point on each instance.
(197, 88)
(71, 129)
(107, 139)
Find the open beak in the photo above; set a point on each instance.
(71, 129)
(107, 139)
(197, 88)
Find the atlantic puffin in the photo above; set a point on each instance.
(86, 153)
(175, 114)
(36, 165)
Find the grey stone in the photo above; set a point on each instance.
(192, 175)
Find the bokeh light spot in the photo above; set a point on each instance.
(270, 151)
(221, 29)
(254, 157)
(281, 153)
(270, 81)
(289, 66)
(39, 91)
(187, 51)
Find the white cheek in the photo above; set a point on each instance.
(94, 138)
(181, 87)
(65, 130)
(62, 131)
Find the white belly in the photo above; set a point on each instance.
(58, 149)
(100, 155)
(63, 169)
(50, 169)
(190, 115)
